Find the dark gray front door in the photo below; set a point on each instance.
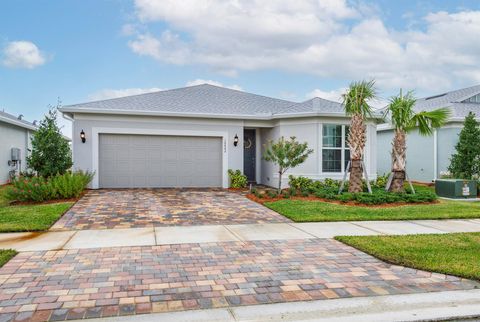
(249, 154)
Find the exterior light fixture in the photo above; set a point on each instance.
(82, 136)
(235, 140)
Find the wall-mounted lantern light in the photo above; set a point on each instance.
(235, 140)
(82, 136)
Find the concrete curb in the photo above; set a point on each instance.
(435, 306)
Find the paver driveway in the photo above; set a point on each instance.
(59, 285)
(128, 208)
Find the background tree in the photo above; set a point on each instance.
(286, 154)
(355, 102)
(466, 161)
(404, 120)
(50, 150)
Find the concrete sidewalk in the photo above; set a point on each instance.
(81, 239)
(406, 307)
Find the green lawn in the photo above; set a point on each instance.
(30, 217)
(454, 254)
(6, 255)
(305, 210)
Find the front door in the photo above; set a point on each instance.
(249, 154)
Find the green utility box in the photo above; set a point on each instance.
(456, 188)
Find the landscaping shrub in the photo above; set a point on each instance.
(38, 189)
(300, 183)
(70, 185)
(380, 182)
(237, 179)
(272, 194)
(31, 189)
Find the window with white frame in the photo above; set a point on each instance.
(335, 151)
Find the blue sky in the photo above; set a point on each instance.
(93, 49)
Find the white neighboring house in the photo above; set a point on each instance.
(15, 133)
(428, 156)
(190, 137)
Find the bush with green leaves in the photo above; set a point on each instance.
(237, 179)
(50, 154)
(300, 183)
(38, 189)
(380, 182)
(71, 184)
(465, 163)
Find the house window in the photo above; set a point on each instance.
(335, 151)
(473, 99)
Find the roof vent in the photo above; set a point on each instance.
(435, 96)
(20, 117)
(34, 122)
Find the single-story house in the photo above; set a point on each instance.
(190, 137)
(428, 156)
(15, 136)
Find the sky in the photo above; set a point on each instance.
(82, 50)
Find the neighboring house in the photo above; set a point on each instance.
(428, 156)
(190, 137)
(15, 133)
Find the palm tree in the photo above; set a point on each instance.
(355, 102)
(404, 120)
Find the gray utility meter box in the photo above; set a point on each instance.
(16, 155)
(456, 188)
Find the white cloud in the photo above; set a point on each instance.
(333, 38)
(333, 95)
(22, 54)
(200, 81)
(114, 93)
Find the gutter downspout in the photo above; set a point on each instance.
(435, 155)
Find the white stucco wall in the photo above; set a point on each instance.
(12, 136)
(310, 130)
(304, 129)
(83, 156)
(420, 152)
(447, 138)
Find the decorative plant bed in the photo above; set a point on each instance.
(266, 199)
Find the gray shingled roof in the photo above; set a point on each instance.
(199, 99)
(12, 119)
(207, 100)
(314, 105)
(452, 100)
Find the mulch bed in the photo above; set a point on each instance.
(350, 203)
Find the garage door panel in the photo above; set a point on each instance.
(159, 161)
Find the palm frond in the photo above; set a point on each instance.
(428, 121)
(356, 99)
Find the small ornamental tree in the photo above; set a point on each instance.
(465, 163)
(286, 154)
(50, 153)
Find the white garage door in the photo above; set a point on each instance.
(149, 161)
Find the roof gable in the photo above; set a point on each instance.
(14, 120)
(208, 101)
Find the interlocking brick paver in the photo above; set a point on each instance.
(160, 278)
(134, 208)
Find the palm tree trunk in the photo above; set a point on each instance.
(356, 141)
(356, 174)
(399, 156)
